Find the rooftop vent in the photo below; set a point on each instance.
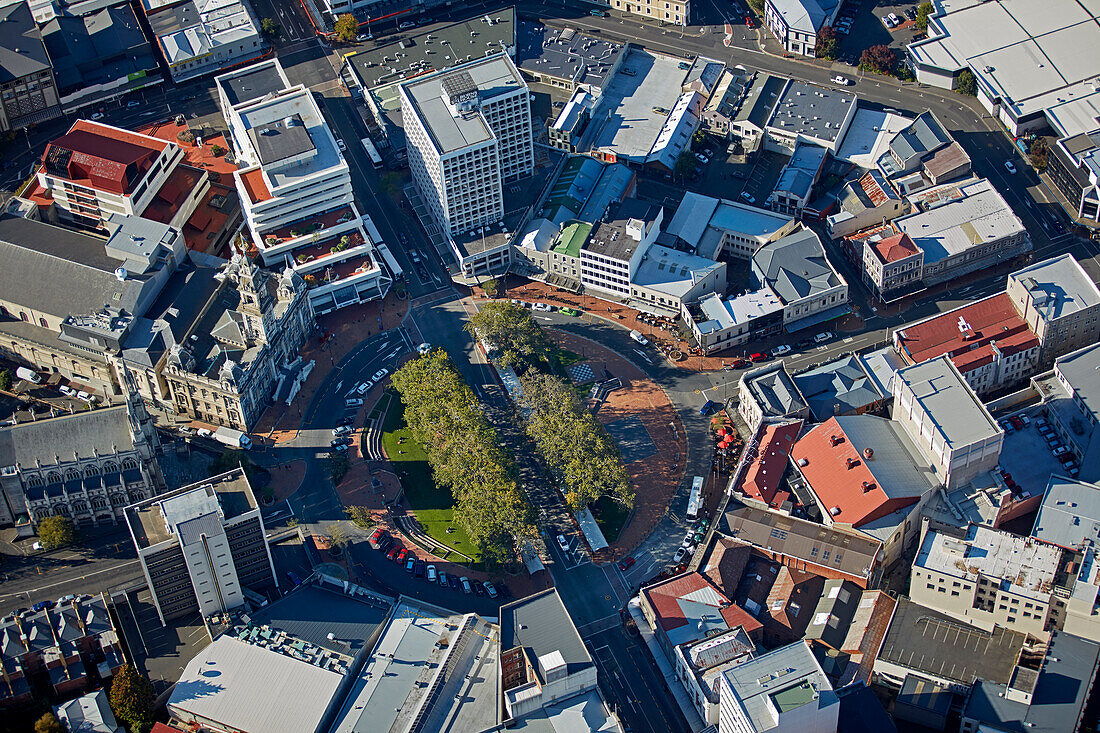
(835, 511)
(868, 453)
(835, 440)
(851, 462)
(868, 486)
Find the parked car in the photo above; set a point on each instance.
(1006, 425)
(97, 115)
(490, 589)
(626, 563)
(376, 537)
(563, 543)
(781, 350)
(754, 358)
(364, 387)
(401, 555)
(340, 442)
(442, 578)
(637, 336)
(886, 22)
(85, 397)
(842, 81)
(419, 569)
(1025, 420)
(894, 19)
(738, 363)
(1009, 166)
(340, 144)
(424, 348)
(67, 390)
(363, 37)
(710, 406)
(823, 337)
(1060, 450)
(430, 570)
(478, 588)
(341, 430)
(452, 580)
(598, 13)
(571, 312)
(465, 583)
(345, 421)
(406, 25)
(680, 555)
(380, 374)
(748, 197)
(392, 553)
(540, 307)
(353, 402)
(410, 563)
(702, 158)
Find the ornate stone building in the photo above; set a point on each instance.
(242, 347)
(88, 466)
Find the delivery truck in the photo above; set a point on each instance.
(232, 438)
(29, 375)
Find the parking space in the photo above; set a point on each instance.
(161, 652)
(860, 26)
(574, 554)
(1027, 456)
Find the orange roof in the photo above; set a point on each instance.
(761, 479)
(840, 477)
(895, 248)
(176, 189)
(966, 334)
(199, 157)
(255, 186)
(203, 227)
(665, 599)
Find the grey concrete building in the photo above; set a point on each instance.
(28, 91)
(202, 545)
(1061, 303)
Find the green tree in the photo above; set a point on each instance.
(491, 287)
(132, 700)
(757, 6)
(923, 11)
(1037, 154)
(217, 150)
(511, 330)
(5, 380)
(338, 465)
(347, 28)
(573, 444)
(338, 536)
(965, 83)
(684, 165)
(828, 45)
(54, 532)
(271, 28)
(360, 515)
(48, 723)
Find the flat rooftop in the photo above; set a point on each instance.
(425, 51)
(932, 643)
(149, 521)
(645, 84)
(949, 402)
(566, 54)
(1058, 286)
(717, 313)
(1025, 567)
(281, 156)
(492, 77)
(253, 82)
(610, 237)
(540, 625)
(869, 135)
(1027, 54)
(672, 271)
(811, 111)
(968, 215)
(783, 679)
(1070, 513)
(702, 220)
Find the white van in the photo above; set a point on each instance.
(637, 336)
(28, 375)
(355, 402)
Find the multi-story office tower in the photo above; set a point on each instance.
(469, 131)
(201, 546)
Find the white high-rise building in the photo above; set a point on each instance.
(469, 132)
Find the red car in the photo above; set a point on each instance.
(748, 21)
(625, 563)
(401, 556)
(739, 363)
(392, 554)
(376, 537)
(758, 357)
(1017, 422)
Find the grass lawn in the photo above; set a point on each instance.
(611, 516)
(434, 505)
(561, 359)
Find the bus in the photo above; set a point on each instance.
(695, 499)
(372, 153)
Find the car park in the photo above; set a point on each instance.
(490, 589)
(563, 543)
(1009, 166)
(823, 337)
(781, 350)
(431, 573)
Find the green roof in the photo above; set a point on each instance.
(794, 697)
(573, 236)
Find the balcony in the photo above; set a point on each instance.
(342, 273)
(329, 251)
(307, 233)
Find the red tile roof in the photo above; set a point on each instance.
(762, 476)
(874, 191)
(665, 599)
(897, 247)
(966, 334)
(839, 476)
(102, 157)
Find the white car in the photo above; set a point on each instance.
(637, 336)
(823, 337)
(702, 158)
(886, 22)
(340, 431)
(540, 307)
(748, 197)
(67, 390)
(424, 348)
(781, 350)
(563, 543)
(363, 37)
(84, 397)
(204, 433)
(340, 144)
(406, 25)
(894, 19)
(1009, 166)
(364, 387)
(842, 81)
(378, 375)
(97, 115)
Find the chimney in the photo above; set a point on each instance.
(836, 440)
(851, 462)
(868, 453)
(868, 486)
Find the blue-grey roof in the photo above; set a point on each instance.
(311, 613)
(540, 624)
(923, 136)
(840, 387)
(192, 530)
(1060, 691)
(1070, 513)
(775, 391)
(795, 266)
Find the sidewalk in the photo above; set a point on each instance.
(675, 687)
(348, 328)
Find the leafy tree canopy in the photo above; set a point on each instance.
(54, 532)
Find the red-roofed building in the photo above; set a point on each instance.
(689, 607)
(865, 473)
(892, 263)
(988, 341)
(782, 597)
(760, 483)
(95, 170)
